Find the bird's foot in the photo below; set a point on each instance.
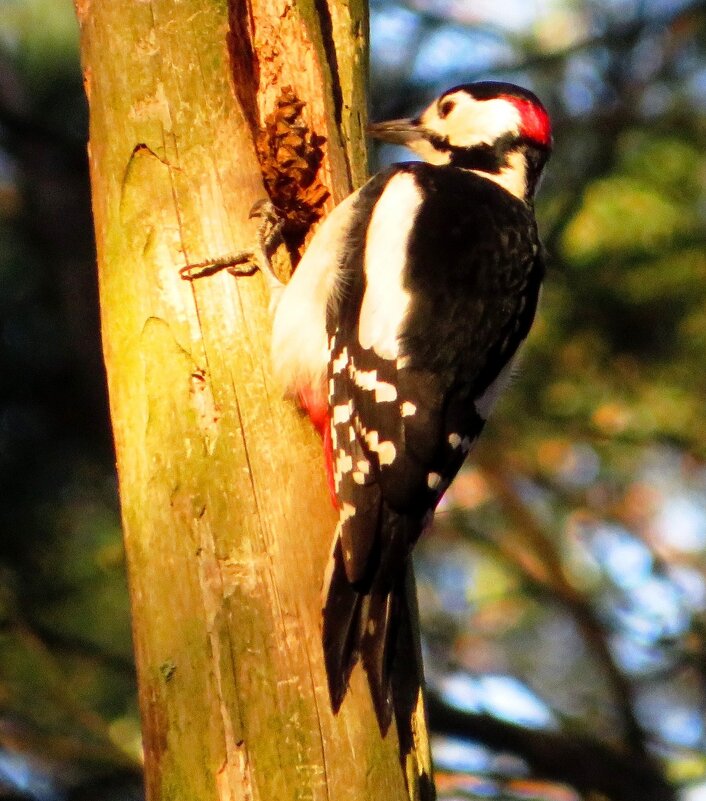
(248, 262)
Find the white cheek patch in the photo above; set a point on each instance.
(474, 122)
(386, 300)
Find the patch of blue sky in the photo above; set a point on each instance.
(696, 86)
(451, 572)
(508, 698)
(20, 774)
(457, 55)
(676, 718)
(537, 497)
(512, 15)
(681, 522)
(392, 30)
(580, 466)
(460, 755)
(646, 616)
(658, 602)
(583, 83)
(625, 560)
(697, 792)
(635, 658)
(664, 7)
(691, 585)
(461, 691)
(683, 726)
(385, 155)
(626, 11)
(502, 696)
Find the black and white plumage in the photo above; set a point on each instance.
(402, 322)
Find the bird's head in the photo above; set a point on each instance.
(495, 129)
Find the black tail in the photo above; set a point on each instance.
(341, 629)
(363, 621)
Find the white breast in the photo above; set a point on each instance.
(299, 339)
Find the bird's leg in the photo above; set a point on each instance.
(248, 262)
(269, 237)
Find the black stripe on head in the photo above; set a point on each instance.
(487, 90)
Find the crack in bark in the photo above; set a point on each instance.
(326, 22)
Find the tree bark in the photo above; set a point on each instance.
(225, 511)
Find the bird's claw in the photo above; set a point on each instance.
(247, 262)
(269, 232)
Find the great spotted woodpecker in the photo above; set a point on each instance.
(399, 330)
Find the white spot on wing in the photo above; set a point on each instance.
(384, 392)
(408, 409)
(342, 413)
(454, 440)
(368, 379)
(340, 362)
(433, 480)
(386, 300)
(365, 379)
(386, 452)
(344, 463)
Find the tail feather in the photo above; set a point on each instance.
(362, 620)
(341, 628)
(378, 650)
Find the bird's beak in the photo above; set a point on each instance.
(398, 132)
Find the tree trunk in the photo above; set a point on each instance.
(225, 511)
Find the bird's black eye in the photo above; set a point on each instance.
(446, 108)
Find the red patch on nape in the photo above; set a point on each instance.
(535, 124)
(314, 404)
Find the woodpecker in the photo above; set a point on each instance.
(398, 331)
